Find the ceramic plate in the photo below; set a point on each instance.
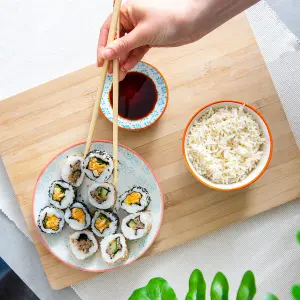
(133, 170)
(159, 109)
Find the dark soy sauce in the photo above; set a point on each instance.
(137, 96)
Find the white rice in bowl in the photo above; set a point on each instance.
(225, 144)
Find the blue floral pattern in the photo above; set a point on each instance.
(160, 106)
(132, 171)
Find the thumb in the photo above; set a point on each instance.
(122, 46)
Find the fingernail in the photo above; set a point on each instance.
(107, 53)
(123, 70)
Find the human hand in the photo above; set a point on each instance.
(148, 24)
(162, 23)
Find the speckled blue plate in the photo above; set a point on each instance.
(133, 170)
(159, 109)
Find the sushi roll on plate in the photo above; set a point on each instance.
(135, 200)
(73, 170)
(51, 220)
(78, 216)
(105, 223)
(99, 165)
(101, 215)
(61, 194)
(83, 244)
(102, 195)
(137, 225)
(114, 248)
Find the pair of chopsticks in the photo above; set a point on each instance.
(113, 33)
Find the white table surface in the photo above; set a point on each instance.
(42, 40)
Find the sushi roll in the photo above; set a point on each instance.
(135, 226)
(51, 220)
(114, 248)
(61, 194)
(73, 170)
(78, 216)
(105, 223)
(135, 200)
(102, 195)
(99, 165)
(83, 244)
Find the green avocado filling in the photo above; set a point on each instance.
(136, 224)
(100, 194)
(114, 247)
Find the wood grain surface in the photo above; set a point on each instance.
(226, 64)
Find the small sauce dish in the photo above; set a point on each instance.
(143, 98)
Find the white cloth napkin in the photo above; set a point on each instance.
(242, 246)
(8, 202)
(281, 51)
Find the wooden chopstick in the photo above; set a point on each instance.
(111, 36)
(115, 110)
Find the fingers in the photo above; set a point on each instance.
(122, 75)
(135, 39)
(129, 61)
(103, 40)
(136, 55)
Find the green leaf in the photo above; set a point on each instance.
(270, 297)
(296, 292)
(298, 236)
(247, 289)
(197, 286)
(156, 289)
(219, 287)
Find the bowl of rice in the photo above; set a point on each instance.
(227, 145)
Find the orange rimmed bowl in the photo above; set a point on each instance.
(267, 147)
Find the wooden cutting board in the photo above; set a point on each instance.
(227, 64)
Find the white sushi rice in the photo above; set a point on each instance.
(49, 210)
(74, 223)
(224, 145)
(134, 208)
(131, 234)
(79, 254)
(113, 227)
(121, 255)
(66, 170)
(111, 196)
(106, 173)
(69, 197)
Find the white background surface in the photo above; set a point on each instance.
(41, 40)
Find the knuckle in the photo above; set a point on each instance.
(123, 45)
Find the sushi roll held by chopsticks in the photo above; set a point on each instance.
(112, 34)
